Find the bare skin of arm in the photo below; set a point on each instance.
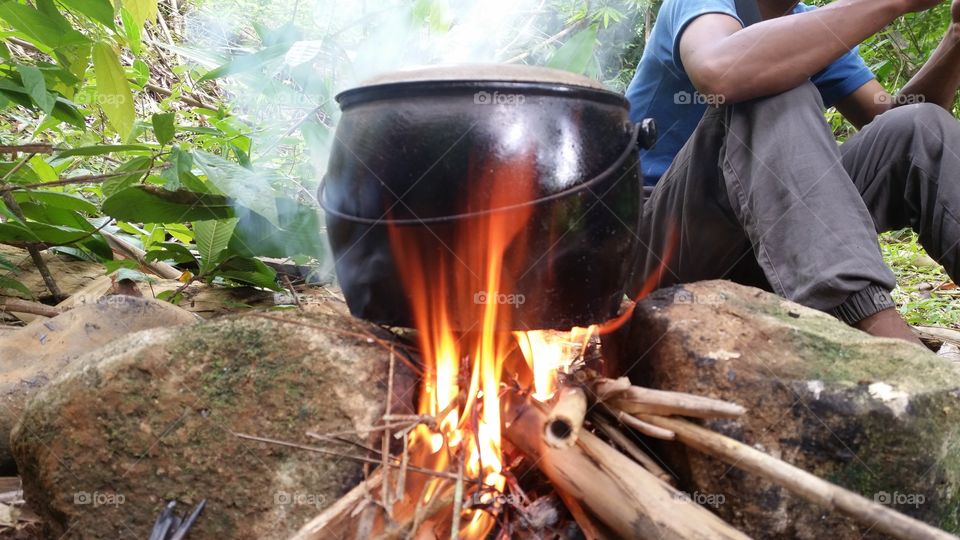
(781, 53)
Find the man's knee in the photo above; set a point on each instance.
(931, 126)
(806, 95)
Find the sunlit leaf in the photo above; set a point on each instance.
(113, 90)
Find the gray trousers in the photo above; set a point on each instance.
(763, 195)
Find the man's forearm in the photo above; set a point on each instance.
(938, 80)
(779, 54)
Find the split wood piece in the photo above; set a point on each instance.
(17, 305)
(800, 482)
(159, 268)
(563, 424)
(621, 494)
(620, 439)
(639, 400)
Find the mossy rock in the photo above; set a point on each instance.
(878, 416)
(153, 418)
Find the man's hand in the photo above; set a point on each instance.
(955, 10)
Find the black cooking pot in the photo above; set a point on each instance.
(424, 158)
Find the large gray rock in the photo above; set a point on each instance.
(31, 356)
(151, 418)
(878, 416)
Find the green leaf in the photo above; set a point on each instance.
(251, 189)
(131, 30)
(249, 271)
(135, 166)
(18, 232)
(24, 175)
(113, 90)
(101, 149)
(34, 84)
(575, 55)
(163, 128)
(141, 10)
(212, 238)
(56, 199)
(150, 204)
(98, 10)
(179, 164)
(171, 251)
(44, 29)
(10, 283)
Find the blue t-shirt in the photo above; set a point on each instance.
(662, 90)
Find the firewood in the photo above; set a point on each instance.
(337, 521)
(621, 494)
(620, 439)
(798, 481)
(563, 424)
(647, 429)
(622, 395)
(17, 305)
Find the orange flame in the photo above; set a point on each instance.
(455, 301)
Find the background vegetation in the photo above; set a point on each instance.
(198, 129)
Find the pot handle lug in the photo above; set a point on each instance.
(647, 133)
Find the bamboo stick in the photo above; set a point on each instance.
(562, 426)
(646, 428)
(623, 395)
(618, 438)
(610, 486)
(799, 482)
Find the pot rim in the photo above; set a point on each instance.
(471, 78)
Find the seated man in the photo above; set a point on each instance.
(751, 185)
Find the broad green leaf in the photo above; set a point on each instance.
(34, 84)
(171, 251)
(10, 283)
(249, 271)
(113, 266)
(98, 10)
(55, 216)
(56, 199)
(44, 29)
(44, 171)
(135, 167)
(141, 10)
(250, 189)
(212, 239)
(179, 164)
(24, 175)
(163, 128)
(575, 55)
(19, 232)
(101, 149)
(113, 90)
(132, 30)
(299, 234)
(149, 204)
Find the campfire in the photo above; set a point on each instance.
(510, 267)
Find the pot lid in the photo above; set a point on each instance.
(483, 72)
